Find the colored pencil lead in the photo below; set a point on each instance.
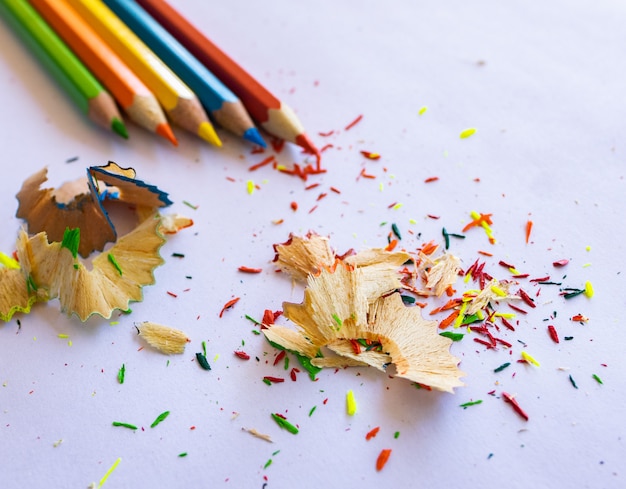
(119, 128)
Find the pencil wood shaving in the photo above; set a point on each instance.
(15, 295)
(164, 338)
(494, 291)
(352, 302)
(442, 274)
(301, 256)
(80, 204)
(257, 434)
(172, 223)
(47, 210)
(111, 284)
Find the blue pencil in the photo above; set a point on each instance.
(218, 100)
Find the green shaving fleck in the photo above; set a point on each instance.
(30, 284)
(121, 373)
(472, 318)
(597, 379)
(114, 263)
(337, 320)
(160, 418)
(452, 336)
(250, 318)
(194, 207)
(125, 425)
(407, 299)
(71, 240)
(267, 381)
(396, 435)
(283, 423)
(571, 379)
(502, 367)
(204, 348)
(312, 411)
(396, 231)
(471, 403)
(184, 454)
(202, 361)
(267, 464)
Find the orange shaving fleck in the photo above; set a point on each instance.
(228, 305)
(484, 218)
(383, 457)
(449, 320)
(429, 248)
(529, 227)
(392, 244)
(372, 433)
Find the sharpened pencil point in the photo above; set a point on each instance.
(254, 136)
(165, 131)
(207, 132)
(119, 128)
(304, 142)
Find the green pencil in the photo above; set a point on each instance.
(81, 86)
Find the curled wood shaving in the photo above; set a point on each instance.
(301, 256)
(164, 338)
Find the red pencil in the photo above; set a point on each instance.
(268, 111)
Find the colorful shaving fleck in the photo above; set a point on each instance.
(597, 379)
(113, 262)
(553, 333)
(588, 289)
(202, 361)
(372, 433)
(109, 472)
(124, 425)
(529, 228)
(194, 207)
(452, 336)
(516, 407)
(121, 373)
(471, 403)
(422, 110)
(183, 454)
(382, 459)
(312, 411)
(350, 403)
(371, 156)
(228, 305)
(571, 379)
(161, 417)
(466, 133)
(354, 122)
(283, 423)
(502, 367)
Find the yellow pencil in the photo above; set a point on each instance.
(180, 103)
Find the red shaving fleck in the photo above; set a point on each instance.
(521, 275)
(553, 334)
(231, 179)
(312, 209)
(371, 156)
(321, 196)
(560, 263)
(270, 317)
(432, 216)
(313, 185)
(294, 206)
(449, 320)
(293, 373)
(257, 150)
(505, 343)
(277, 144)
(354, 122)
(245, 269)
(431, 179)
(172, 294)
(356, 346)
(266, 161)
(242, 354)
(391, 205)
(274, 379)
(327, 146)
(518, 309)
(372, 433)
(228, 305)
(505, 264)
(510, 399)
(326, 134)
(542, 279)
(279, 357)
(483, 342)
(580, 318)
(529, 227)
(382, 459)
(507, 324)
(365, 175)
(526, 298)
(335, 190)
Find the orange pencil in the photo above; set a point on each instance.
(268, 111)
(130, 92)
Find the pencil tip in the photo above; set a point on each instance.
(119, 128)
(254, 136)
(165, 131)
(207, 132)
(304, 142)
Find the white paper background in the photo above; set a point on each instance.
(543, 82)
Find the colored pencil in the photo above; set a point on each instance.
(267, 110)
(222, 104)
(130, 92)
(81, 86)
(179, 102)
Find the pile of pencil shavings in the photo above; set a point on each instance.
(353, 313)
(73, 220)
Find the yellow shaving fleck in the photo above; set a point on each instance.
(514, 271)
(505, 315)
(529, 358)
(412, 221)
(586, 265)
(69, 343)
(9, 262)
(397, 206)
(350, 403)
(588, 289)
(281, 167)
(381, 187)
(62, 335)
(216, 357)
(250, 186)
(108, 473)
(422, 110)
(588, 248)
(480, 315)
(461, 316)
(467, 277)
(475, 215)
(465, 133)
(498, 291)
(114, 323)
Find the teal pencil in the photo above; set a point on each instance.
(81, 86)
(222, 104)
